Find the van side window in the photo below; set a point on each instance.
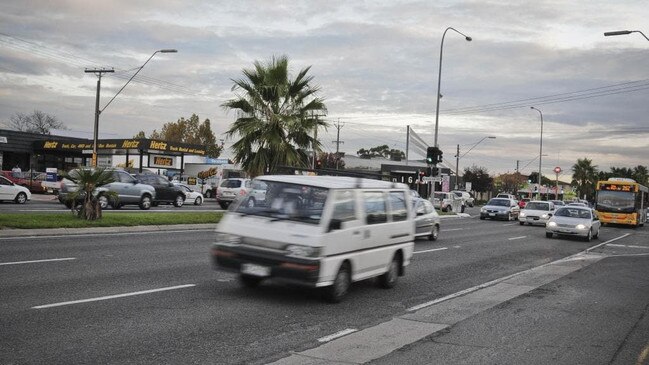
(398, 208)
(344, 209)
(375, 207)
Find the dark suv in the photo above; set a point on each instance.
(165, 191)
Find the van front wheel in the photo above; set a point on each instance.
(389, 279)
(340, 287)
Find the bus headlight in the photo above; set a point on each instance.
(303, 251)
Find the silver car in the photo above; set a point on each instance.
(426, 219)
(500, 208)
(573, 220)
(536, 212)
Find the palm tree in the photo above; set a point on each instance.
(88, 180)
(276, 116)
(641, 175)
(584, 177)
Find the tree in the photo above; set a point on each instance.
(381, 151)
(641, 175)
(139, 135)
(331, 160)
(584, 178)
(510, 183)
(37, 122)
(276, 115)
(88, 180)
(190, 131)
(479, 178)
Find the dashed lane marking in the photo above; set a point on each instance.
(36, 261)
(517, 238)
(337, 335)
(431, 250)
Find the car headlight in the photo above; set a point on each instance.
(303, 251)
(545, 216)
(230, 239)
(482, 210)
(552, 224)
(580, 226)
(522, 214)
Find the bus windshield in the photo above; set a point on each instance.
(616, 201)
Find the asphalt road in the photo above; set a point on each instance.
(154, 297)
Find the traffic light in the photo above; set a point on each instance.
(318, 163)
(433, 155)
(435, 171)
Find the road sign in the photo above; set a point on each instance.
(432, 178)
(557, 170)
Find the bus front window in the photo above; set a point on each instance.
(615, 201)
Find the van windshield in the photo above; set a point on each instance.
(283, 201)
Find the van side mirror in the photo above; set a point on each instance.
(334, 225)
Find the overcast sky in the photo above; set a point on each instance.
(376, 63)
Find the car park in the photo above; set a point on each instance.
(191, 196)
(9, 191)
(165, 191)
(573, 220)
(536, 212)
(127, 189)
(427, 220)
(500, 208)
(319, 231)
(231, 189)
(465, 196)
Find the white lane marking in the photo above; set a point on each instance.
(517, 238)
(629, 246)
(36, 261)
(496, 281)
(453, 229)
(434, 249)
(112, 296)
(509, 224)
(103, 234)
(609, 241)
(337, 335)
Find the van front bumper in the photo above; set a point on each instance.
(294, 270)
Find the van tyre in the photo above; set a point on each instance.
(340, 287)
(389, 279)
(145, 202)
(21, 198)
(250, 281)
(179, 201)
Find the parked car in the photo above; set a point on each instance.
(129, 192)
(165, 191)
(500, 208)
(191, 196)
(465, 196)
(573, 220)
(536, 212)
(444, 201)
(231, 189)
(13, 192)
(426, 219)
(319, 231)
(257, 193)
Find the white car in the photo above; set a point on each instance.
(12, 192)
(465, 196)
(426, 219)
(191, 195)
(536, 212)
(573, 220)
(444, 201)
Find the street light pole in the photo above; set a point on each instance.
(540, 150)
(98, 72)
(624, 32)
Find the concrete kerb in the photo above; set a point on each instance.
(8, 233)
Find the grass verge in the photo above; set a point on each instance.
(109, 219)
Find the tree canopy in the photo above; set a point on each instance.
(190, 131)
(584, 178)
(479, 178)
(381, 151)
(36, 122)
(276, 116)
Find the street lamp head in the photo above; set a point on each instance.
(468, 39)
(617, 32)
(168, 51)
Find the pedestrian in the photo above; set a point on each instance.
(15, 172)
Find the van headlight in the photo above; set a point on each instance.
(580, 226)
(302, 251)
(227, 238)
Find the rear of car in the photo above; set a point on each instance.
(443, 201)
(231, 189)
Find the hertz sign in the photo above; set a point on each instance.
(161, 161)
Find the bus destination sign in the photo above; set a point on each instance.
(616, 187)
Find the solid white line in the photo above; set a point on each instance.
(337, 334)
(104, 234)
(36, 261)
(509, 224)
(453, 229)
(609, 241)
(112, 296)
(517, 238)
(434, 249)
(629, 246)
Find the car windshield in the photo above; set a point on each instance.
(537, 206)
(499, 202)
(573, 213)
(615, 201)
(284, 201)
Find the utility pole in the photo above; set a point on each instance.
(457, 168)
(517, 161)
(98, 72)
(338, 141)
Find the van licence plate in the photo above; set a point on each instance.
(255, 270)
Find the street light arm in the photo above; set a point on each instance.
(472, 147)
(136, 72)
(624, 32)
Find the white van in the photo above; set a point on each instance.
(319, 231)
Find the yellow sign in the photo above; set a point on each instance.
(130, 144)
(50, 144)
(163, 161)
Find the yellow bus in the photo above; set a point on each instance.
(622, 201)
